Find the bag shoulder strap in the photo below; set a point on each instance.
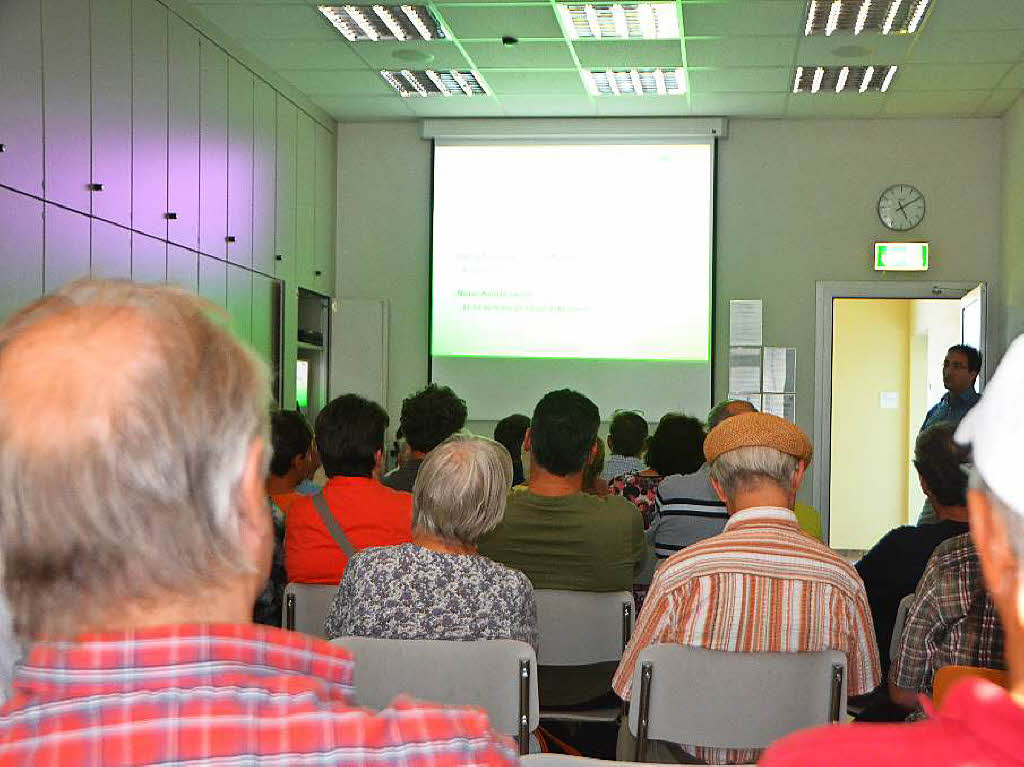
(332, 525)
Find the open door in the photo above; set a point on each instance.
(973, 306)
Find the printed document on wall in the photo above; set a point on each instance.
(745, 323)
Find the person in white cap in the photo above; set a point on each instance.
(979, 723)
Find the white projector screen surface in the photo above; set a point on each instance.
(582, 265)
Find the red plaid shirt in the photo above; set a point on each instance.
(225, 694)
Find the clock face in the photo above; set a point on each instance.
(901, 207)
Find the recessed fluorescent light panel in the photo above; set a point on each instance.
(434, 82)
(843, 17)
(635, 82)
(628, 21)
(858, 79)
(359, 23)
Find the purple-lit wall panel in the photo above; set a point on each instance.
(149, 258)
(213, 147)
(21, 250)
(149, 117)
(21, 96)
(66, 255)
(240, 106)
(111, 251)
(183, 136)
(183, 268)
(112, 110)
(264, 177)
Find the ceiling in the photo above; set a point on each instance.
(966, 59)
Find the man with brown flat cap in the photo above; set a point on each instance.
(761, 585)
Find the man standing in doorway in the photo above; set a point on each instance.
(960, 370)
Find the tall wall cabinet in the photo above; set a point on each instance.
(133, 146)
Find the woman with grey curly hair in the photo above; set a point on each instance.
(438, 586)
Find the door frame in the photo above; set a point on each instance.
(825, 292)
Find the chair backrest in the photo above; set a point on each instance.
(498, 675)
(734, 699)
(306, 605)
(946, 676)
(897, 626)
(578, 628)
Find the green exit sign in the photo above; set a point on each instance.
(901, 256)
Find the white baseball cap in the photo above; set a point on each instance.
(994, 428)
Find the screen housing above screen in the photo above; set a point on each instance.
(495, 386)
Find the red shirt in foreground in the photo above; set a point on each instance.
(237, 694)
(369, 514)
(978, 725)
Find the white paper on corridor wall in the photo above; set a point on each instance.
(745, 323)
(745, 370)
(782, 405)
(779, 370)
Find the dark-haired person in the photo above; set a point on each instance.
(960, 370)
(677, 447)
(350, 440)
(627, 438)
(510, 431)
(563, 538)
(429, 417)
(294, 459)
(893, 566)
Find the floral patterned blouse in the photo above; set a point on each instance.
(640, 490)
(409, 592)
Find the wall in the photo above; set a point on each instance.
(1013, 220)
(796, 204)
(870, 343)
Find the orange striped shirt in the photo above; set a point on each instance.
(760, 586)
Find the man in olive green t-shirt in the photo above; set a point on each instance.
(562, 538)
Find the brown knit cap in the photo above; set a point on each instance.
(757, 430)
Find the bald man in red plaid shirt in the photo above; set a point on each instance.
(135, 536)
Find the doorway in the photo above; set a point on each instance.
(878, 368)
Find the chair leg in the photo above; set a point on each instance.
(524, 706)
(289, 612)
(646, 672)
(837, 693)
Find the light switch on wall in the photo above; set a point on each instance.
(889, 400)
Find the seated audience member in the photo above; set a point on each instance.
(762, 585)
(429, 417)
(677, 447)
(951, 622)
(979, 723)
(350, 438)
(627, 437)
(438, 586)
(894, 565)
(294, 459)
(510, 432)
(592, 483)
(562, 538)
(134, 583)
(686, 509)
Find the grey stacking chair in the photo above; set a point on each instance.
(306, 605)
(498, 675)
(580, 628)
(732, 699)
(561, 760)
(897, 626)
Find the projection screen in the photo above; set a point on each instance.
(582, 265)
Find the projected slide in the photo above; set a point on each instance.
(585, 265)
(572, 251)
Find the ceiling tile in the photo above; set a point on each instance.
(835, 104)
(1014, 78)
(598, 54)
(753, 17)
(934, 77)
(285, 54)
(968, 47)
(327, 82)
(972, 14)
(527, 55)
(743, 79)
(491, 22)
(364, 108)
(454, 106)
(527, 81)
(644, 106)
(928, 103)
(548, 106)
(756, 104)
(296, 22)
(740, 51)
(847, 49)
(412, 54)
(998, 102)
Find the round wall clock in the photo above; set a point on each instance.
(901, 207)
